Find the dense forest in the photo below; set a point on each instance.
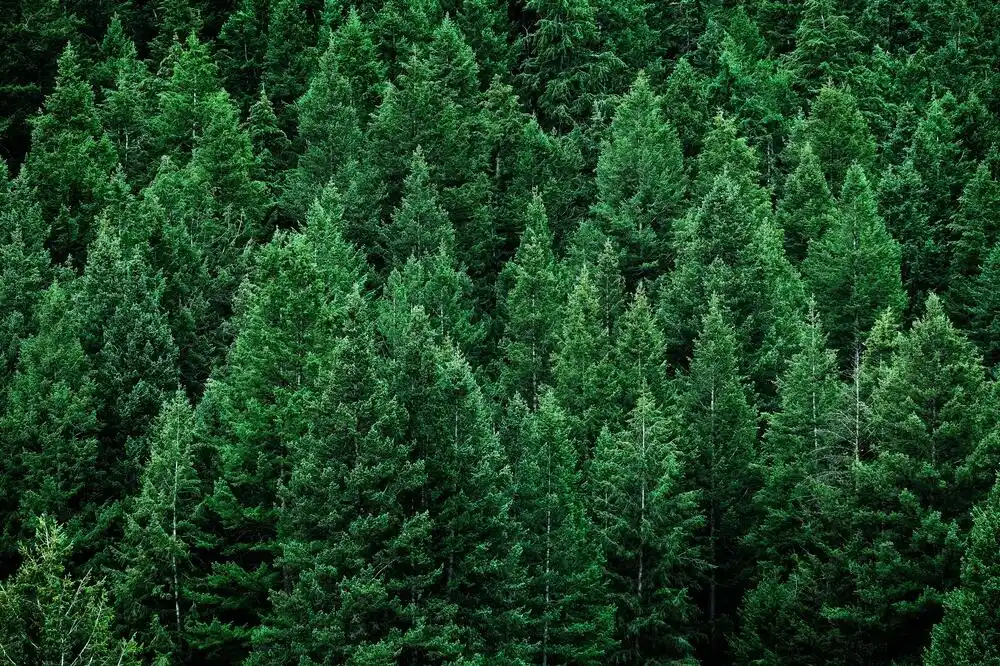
(555, 332)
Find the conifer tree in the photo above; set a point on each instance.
(353, 51)
(443, 289)
(581, 362)
(685, 106)
(434, 105)
(967, 632)
(853, 269)
(563, 61)
(570, 619)
(329, 129)
(466, 497)
(826, 44)
(290, 309)
(640, 181)
(49, 617)
(152, 585)
(289, 56)
(730, 245)
(241, 45)
(973, 233)
(420, 225)
(806, 208)
(50, 422)
(805, 456)
(133, 354)
(717, 425)
(529, 309)
(647, 521)
(352, 577)
(24, 271)
(839, 135)
(127, 106)
(639, 360)
(176, 20)
(71, 160)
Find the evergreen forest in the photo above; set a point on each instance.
(499, 333)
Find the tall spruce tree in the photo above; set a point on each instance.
(647, 520)
(717, 425)
(570, 618)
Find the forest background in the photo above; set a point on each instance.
(471, 332)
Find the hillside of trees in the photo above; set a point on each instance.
(481, 333)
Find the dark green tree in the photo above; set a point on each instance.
(71, 160)
(647, 521)
(640, 182)
(155, 567)
(806, 209)
(967, 633)
(853, 269)
(716, 427)
(570, 619)
(827, 45)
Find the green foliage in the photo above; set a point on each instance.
(49, 617)
(640, 182)
(853, 269)
(570, 618)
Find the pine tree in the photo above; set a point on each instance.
(289, 55)
(127, 106)
(127, 336)
(329, 129)
(717, 427)
(640, 181)
(443, 289)
(49, 617)
(240, 49)
(581, 363)
(528, 309)
(290, 309)
(839, 135)
(434, 105)
(647, 522)
(563, 61)
(154, 558)
(50, 423)
(685, 106)
(826, 44)
(806, 456)
(24, 273)
(967, 633)
(353, 51)
(570, 619)
(175, 20)
(639, 360)
(973, 233)
(853, 269)
(352, 577)
(806, 208)
(70, 161)
(466, 497)
(730, 245)
(420, 225)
